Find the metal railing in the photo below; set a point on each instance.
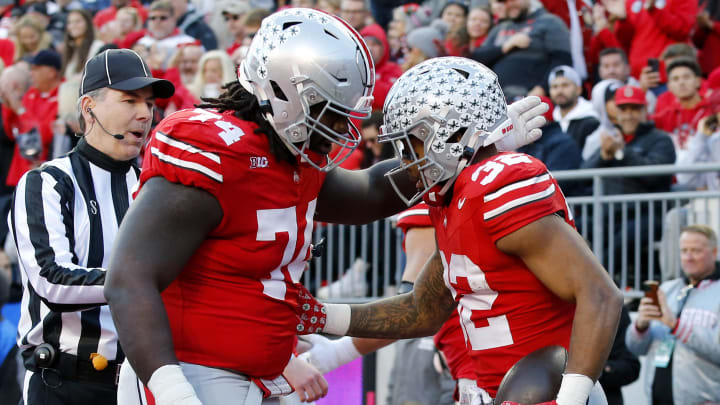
(368, 260)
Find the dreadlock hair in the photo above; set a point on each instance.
(246, 107)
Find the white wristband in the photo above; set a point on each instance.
(345, 350)
(338, 319)
(574, 389)
(170, 387)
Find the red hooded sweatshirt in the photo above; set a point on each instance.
(647, 33)
(386, 72)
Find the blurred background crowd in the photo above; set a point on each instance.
(574, 53)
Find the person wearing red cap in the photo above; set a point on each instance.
(636, 143)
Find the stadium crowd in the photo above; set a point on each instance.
(629, 82)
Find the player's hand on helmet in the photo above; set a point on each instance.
(311, 313)
(327, 354)
(525, 118)
(543, 403)
(308, 381)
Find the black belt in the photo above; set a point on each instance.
(71, 367)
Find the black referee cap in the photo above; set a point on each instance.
(122, 69)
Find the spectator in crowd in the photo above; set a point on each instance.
(647, 27)
(457, 42)
(499, 11)
(577, 16)
(622, 367)
(454, 13)
(214, 70)
(32, 126)
(303, 3)
(329, 6)
(14, 82)
(64, 267)
(678, 333)
(386, 72)
(233, 11)
(58, 19)
(680, 118)
(186, 60)
(656, 81)
(706, 36)
(162, 31)
(523, 49)
(613, 64)
(373, 151)
(479, 23)
(30, 37)
(106, 15)
(39, 11)
(703, 147)
(191, 21)
(124, 30)
(80, 44)
(250, 23)
(635, 143)
(574, 113)
(603, 101)
(423, 43)
(355, 12)
(9, 384)
(405, 19)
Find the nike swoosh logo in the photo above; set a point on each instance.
(461, 202)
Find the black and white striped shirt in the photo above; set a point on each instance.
(64, 219)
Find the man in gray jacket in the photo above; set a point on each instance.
(678, 335)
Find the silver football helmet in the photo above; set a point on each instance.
(302, 57)
(452, 105)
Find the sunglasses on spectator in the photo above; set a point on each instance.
(159, 17)
(233, 17)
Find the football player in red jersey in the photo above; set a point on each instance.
(202, 283)
(419, 245)
(508, 257)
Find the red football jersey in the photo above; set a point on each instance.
(233, 305)
(505, 311)
(449, 339)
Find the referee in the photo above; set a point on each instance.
(64, 218)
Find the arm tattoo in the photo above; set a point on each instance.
(415, 314)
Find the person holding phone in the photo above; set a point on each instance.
(678, 335)
(646, 27)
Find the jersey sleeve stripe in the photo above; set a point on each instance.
(518, 202)
(517, 185)
(408, 213)
(164, 138)
(187, 165)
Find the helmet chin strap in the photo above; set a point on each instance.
(474, 140)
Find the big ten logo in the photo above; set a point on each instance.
(258, 162)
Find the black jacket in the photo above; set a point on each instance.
(650, 146)
(193, 24)
(558, 151)
(579, 129)
(622, 367)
